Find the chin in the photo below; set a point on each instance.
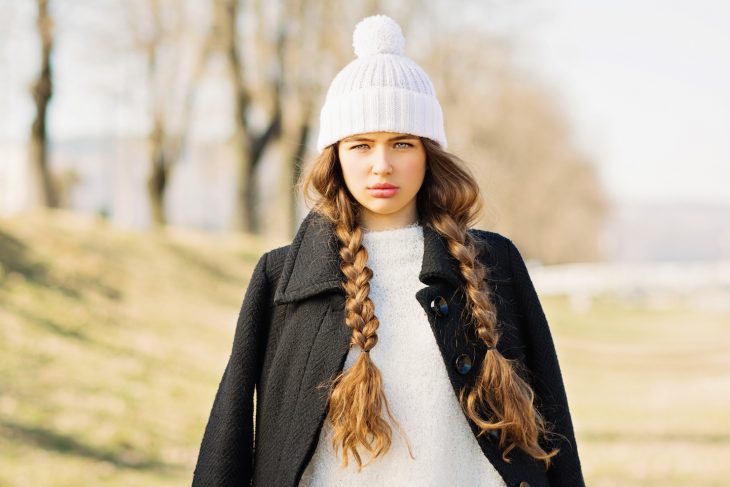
(384, 209)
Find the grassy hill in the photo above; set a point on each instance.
(112, 344)
(111, 347)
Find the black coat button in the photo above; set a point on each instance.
(463, 364)
(439, 306)
(524, 484)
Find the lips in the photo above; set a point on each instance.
(382, 190)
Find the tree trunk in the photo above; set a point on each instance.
(242, 218)
(158, 176)
(166, 139)
(44, 192)
(249, 145)
(227, 16)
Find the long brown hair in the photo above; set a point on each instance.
(449, 202)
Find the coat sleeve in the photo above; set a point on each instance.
(547, 382)
(226, 451)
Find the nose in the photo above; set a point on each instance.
(381, 165)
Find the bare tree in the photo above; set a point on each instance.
(249, 139)
(42, 89)
(301, 85)
(170, 87)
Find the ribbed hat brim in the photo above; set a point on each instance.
(381, 109)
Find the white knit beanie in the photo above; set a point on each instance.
(382, 90)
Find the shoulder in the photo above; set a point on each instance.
(271, 263)
(265, 276)
(488, 237)
(494, 247)
(275, 258)
(498, 253)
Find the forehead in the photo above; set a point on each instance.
(379, 136)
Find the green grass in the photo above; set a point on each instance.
(112, 344)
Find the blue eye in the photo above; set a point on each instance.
(404, 145)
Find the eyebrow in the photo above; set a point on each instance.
(392, 139)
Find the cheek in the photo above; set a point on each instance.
(345, 167)
(415, 170)
(353, 175)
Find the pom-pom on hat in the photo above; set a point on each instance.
(382, 90)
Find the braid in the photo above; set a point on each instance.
(498, 386)
(358, 396)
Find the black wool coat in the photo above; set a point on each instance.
(291, 336)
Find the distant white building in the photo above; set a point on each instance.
(660, 284)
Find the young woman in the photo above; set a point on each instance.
(390, 343)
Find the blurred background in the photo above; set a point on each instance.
(148, 151)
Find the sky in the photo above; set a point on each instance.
(644, 83)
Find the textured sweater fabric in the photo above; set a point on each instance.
(416, 385)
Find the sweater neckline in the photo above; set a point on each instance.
(397, 248)
(410, 226)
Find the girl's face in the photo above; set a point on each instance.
(383, 171)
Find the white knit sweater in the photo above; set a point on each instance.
(419, 393)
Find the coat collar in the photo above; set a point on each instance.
(312, 264)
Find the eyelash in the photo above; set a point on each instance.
(361, 145)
